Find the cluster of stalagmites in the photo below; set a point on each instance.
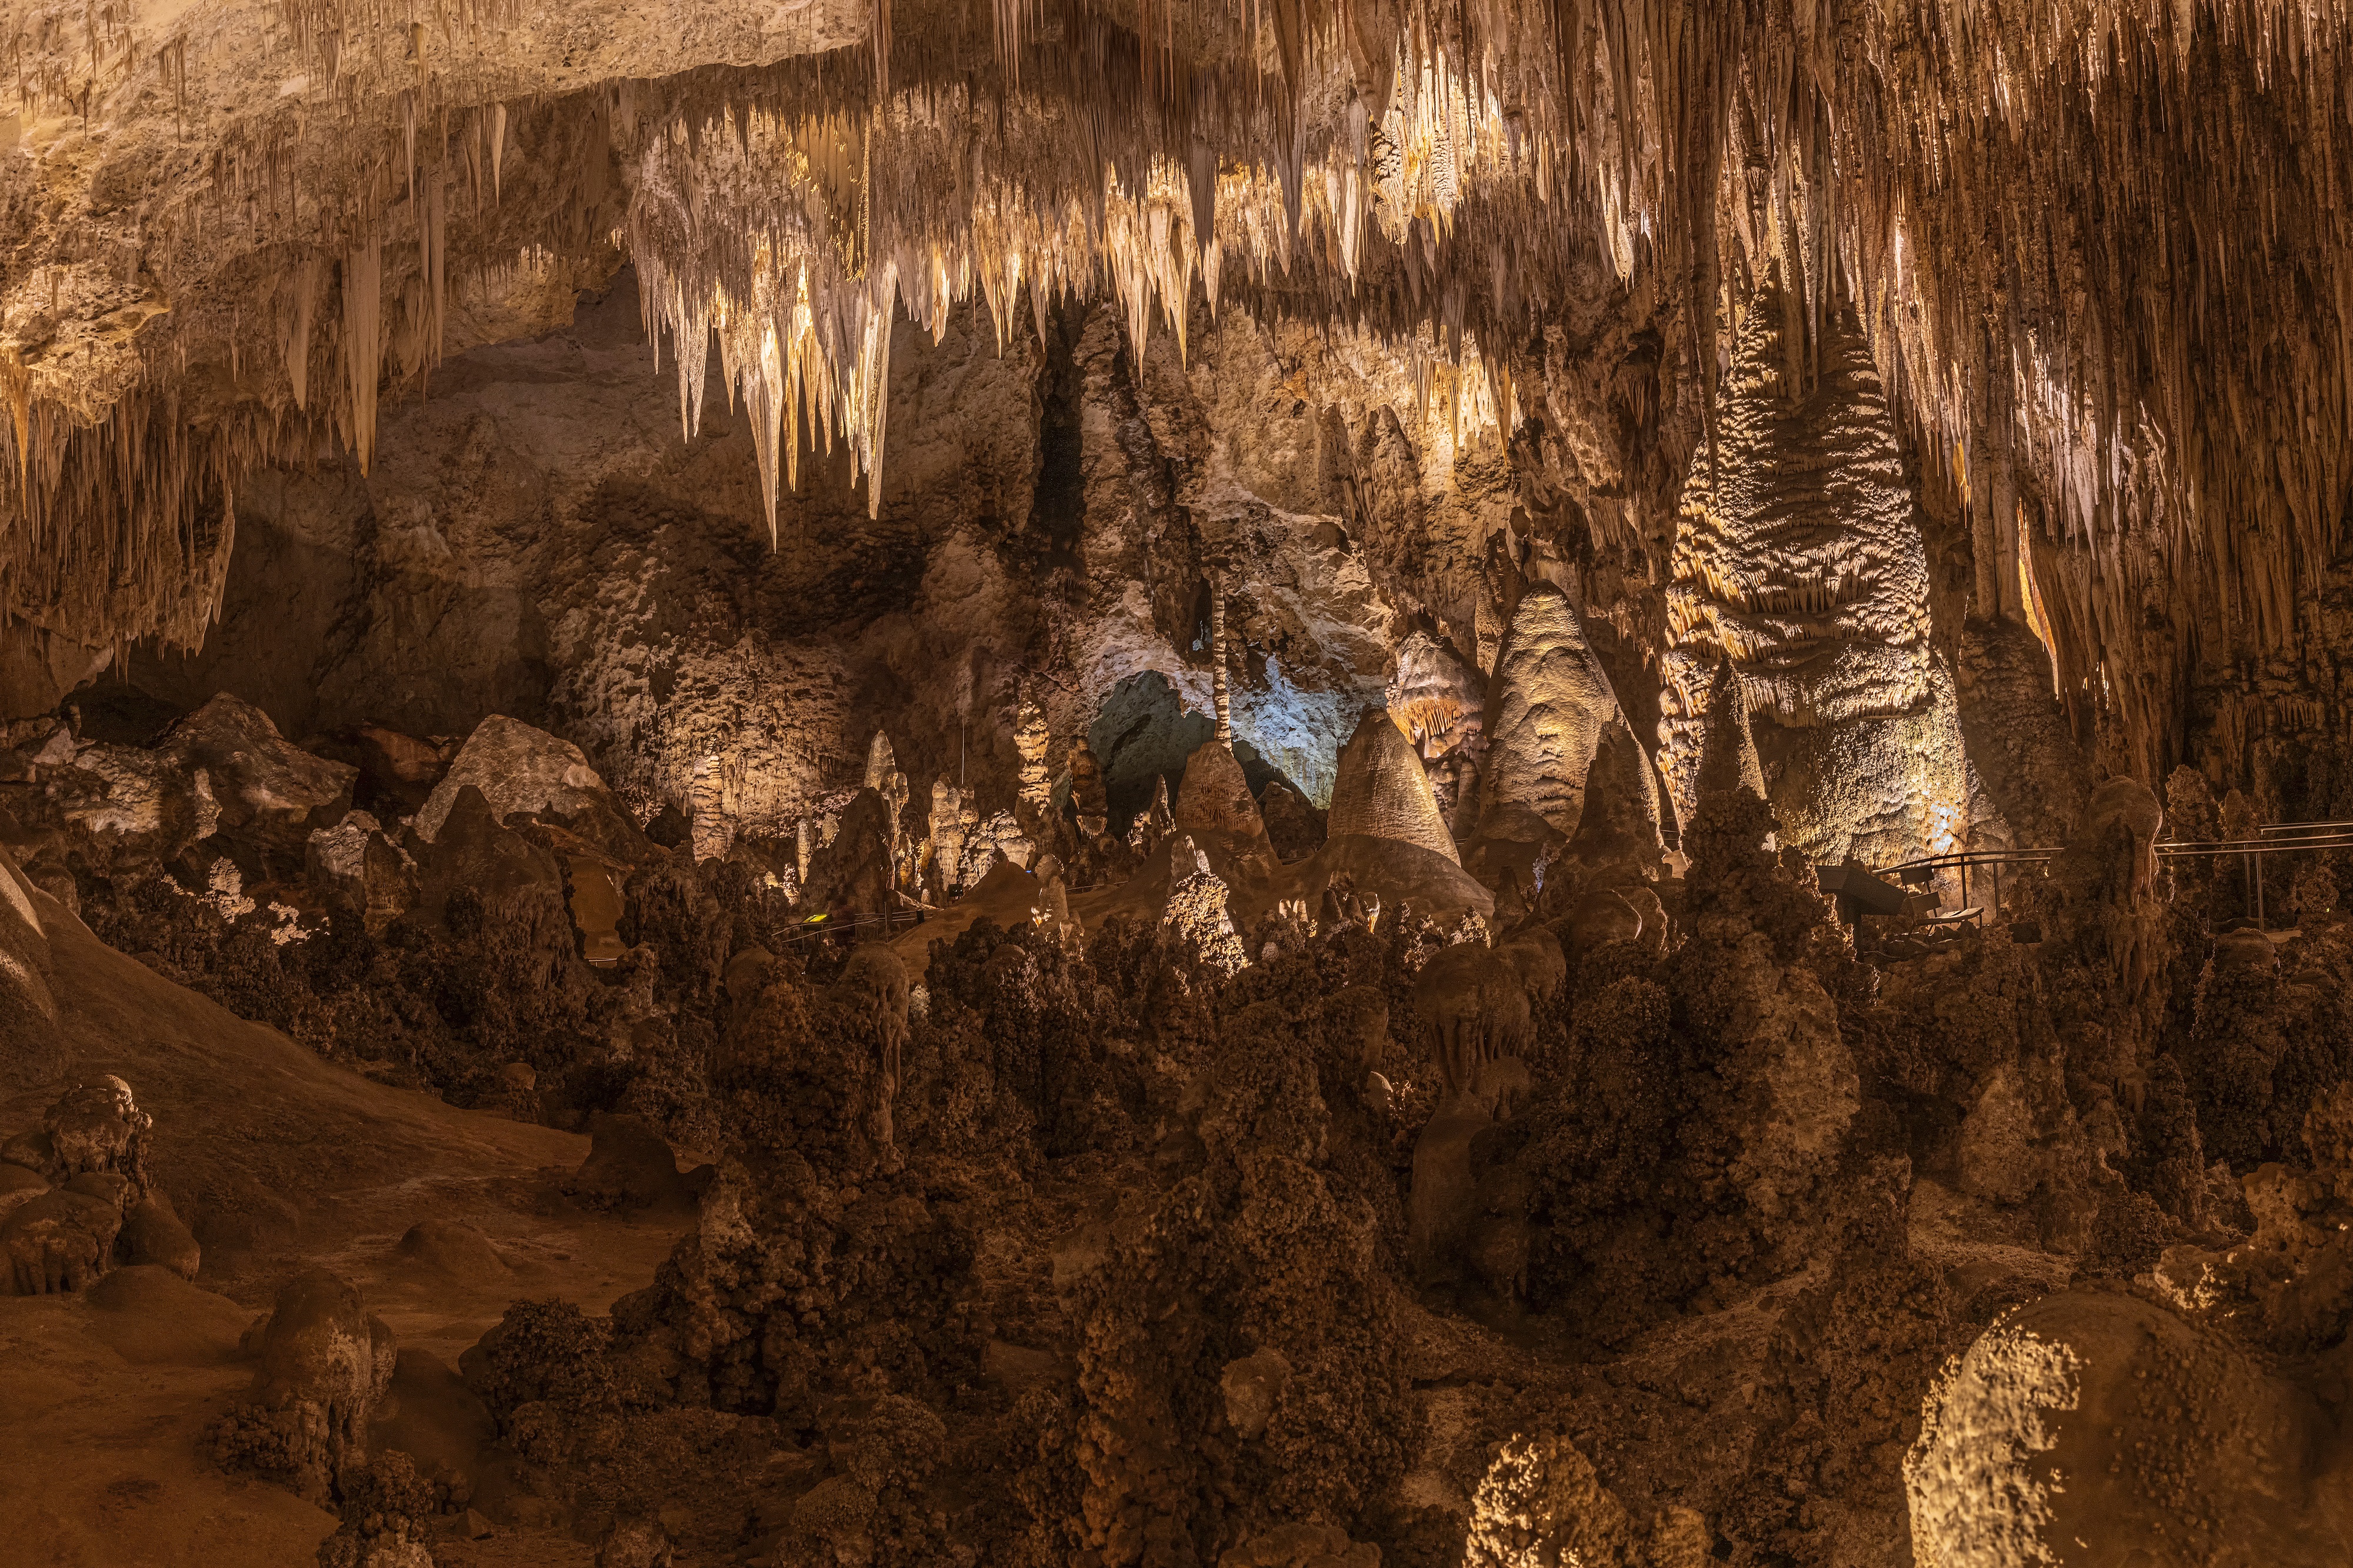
(77, 1199)
(1285, 1082)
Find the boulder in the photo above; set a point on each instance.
(628, 1166)
(356, 868)
(2095, 1415)
(400, 770)
(154, 1235)
(519, 769)
(124, 806)
(267, 794)
(59, 1242)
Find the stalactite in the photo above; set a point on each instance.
(298, 298)
(2109, 279)
(363, 342)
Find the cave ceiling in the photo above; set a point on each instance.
(2096, 252)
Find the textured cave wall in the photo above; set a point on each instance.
(535, 537)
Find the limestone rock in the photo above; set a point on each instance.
(628, 1165)
(520, 769)
(1727, 745)
(401, 768)
(324, 1364)
(1799, 557)
(59, 1242)
(152, 1234)
(1294, 827)
(1382, 793)
(1475, 1007)
(853, 875)
(2098, 1417)
(97, 1127)
(1089, 796)
(25, 993)
(1619, 824)
(356, 868)
(1539, 1503)
(1302, 1546)
(634, 1543)
(18, 1186)
(1251, 1386)
(873, 989)
(1196, 916)
(269, 793)
(126, 805)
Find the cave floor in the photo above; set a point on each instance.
(308, 1165)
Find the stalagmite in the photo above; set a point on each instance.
(1382, 792)
(1727, 754)
(947, 839)
(1802, 584)
(1550, 704)
(1214, 801)
(883, 777)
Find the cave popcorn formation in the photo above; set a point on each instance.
(903, 782)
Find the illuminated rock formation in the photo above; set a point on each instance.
(1799, 565)
(1382, 792)
(508, 649)
(1551, 705)
(1214, 801)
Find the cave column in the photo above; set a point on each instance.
(1217, 661)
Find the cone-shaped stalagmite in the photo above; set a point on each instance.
(1727, 746)
(1382, 792)
(1798, 559)
(1620, 819)
(1213, 802)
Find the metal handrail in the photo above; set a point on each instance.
(2275, 838)
(816, 926)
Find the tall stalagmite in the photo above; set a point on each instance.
(1799, 565)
